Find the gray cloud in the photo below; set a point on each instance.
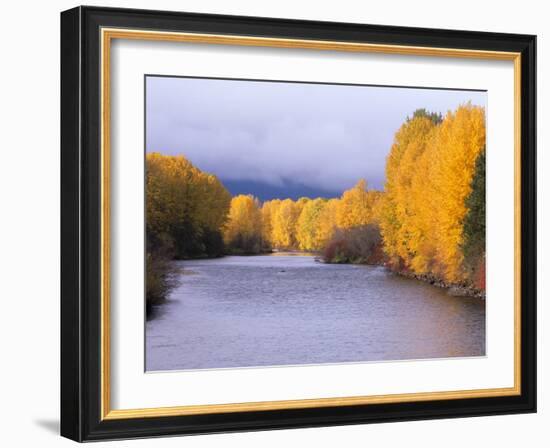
(322, 136)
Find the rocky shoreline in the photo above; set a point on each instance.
(453, 289)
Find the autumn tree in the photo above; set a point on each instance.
(429, 173)
(186, 210)
(243, 231)
(400, 233)
(422, 246)
(284, 222)
(185, 204)
(356, 206)
(307, 231)
(461, 138)
(268, 212)
(326, 222)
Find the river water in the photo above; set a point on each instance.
(287, 309)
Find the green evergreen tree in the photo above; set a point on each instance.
(435, 117)
(473, 232)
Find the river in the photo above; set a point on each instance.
(287, 309)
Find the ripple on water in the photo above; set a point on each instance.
(286, 310)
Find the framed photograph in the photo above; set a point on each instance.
(273, 223)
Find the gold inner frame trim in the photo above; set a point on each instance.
(107, 35)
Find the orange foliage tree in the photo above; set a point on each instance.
(428, 179)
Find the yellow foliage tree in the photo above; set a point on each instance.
(355, 207)
(307, 230)
(184, 203)
(428, 175)
(456, 147)
(243, 231)
(398, 224)
(284, 222)
(268, 211)
(186, 210)
(326, 222)
(422, 247)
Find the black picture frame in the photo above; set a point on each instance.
(81, 224)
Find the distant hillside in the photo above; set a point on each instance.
(266, 192)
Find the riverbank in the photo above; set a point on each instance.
(377, 258)
(453, 289)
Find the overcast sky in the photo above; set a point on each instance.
(281, 138)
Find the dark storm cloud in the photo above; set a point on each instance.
(325, 137)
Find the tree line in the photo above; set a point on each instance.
(429, 220)
(305, 224)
